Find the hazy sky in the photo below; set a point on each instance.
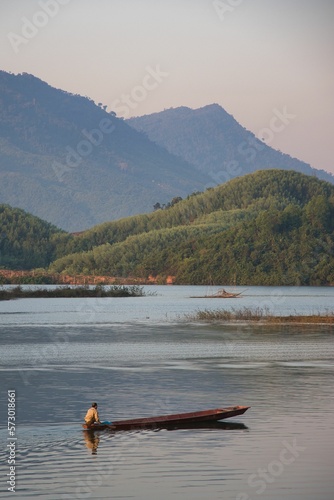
(253, 57)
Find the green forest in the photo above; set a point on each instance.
(26, 241)
(272, 227)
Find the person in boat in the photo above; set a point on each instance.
(92, 415)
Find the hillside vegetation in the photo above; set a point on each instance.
(267, 228)
(26, 241)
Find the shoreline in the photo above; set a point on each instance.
(36, 277)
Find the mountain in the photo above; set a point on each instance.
(68, 161)
(271, 227)
(216, 144)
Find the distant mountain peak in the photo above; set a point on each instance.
(214, 142)
(65, 159)
(211, 107)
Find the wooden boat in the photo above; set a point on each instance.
(172, 420)
(220, 294)
(223, 294)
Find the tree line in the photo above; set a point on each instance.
(271, 228)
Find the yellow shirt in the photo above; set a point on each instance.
(92, 416)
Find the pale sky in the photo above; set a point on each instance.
(253, 57)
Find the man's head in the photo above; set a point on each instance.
(94, 405)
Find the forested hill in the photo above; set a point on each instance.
(65, 159)
(214, 142)
(27, 242)
(271, 227)
(250, 193)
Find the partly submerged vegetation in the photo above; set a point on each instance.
(258, 315)
(68, 292)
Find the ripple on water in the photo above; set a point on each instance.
(143, 370)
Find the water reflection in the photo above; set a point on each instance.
(92, 441)
(226, 426)
(92, 437)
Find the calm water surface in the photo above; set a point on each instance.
(140, 357)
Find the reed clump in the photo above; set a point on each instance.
(258, 315)
(72, 291)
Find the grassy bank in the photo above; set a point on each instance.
(77, 291)
(258, 315)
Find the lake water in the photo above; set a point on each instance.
(141, 357)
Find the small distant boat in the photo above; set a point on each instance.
(165, 421)
(220, 294)
(223, 294)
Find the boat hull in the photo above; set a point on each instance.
(171, 420)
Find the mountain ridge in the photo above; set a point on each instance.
(67, 160)
(215, 143)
